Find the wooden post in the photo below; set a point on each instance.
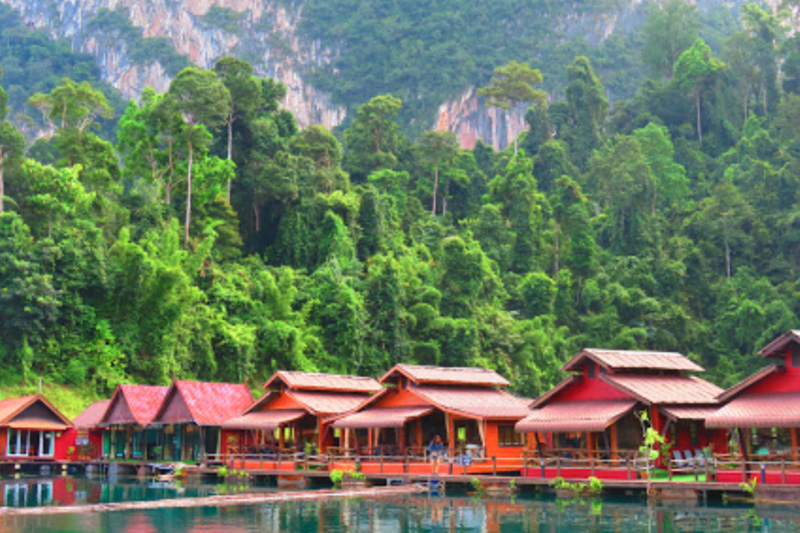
(614, 443)
(381, 461)
(494, 465)
(405, 465)
(783, 471)
(419, 433)
(558, 466)
(591, 464)
(793, 432)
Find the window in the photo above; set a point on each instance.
(46, 443)
(18, 442)
(506, 436)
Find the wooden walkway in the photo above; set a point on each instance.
(214, 501)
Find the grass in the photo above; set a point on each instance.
(69, 400)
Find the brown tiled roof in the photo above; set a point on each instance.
(767, 410)
(324, 382)
(264, 420)
(584, 415)
(777, 347)
(633, 360)
(11, 408)
(653, 389)
(328, 403)
(749, 381)
(206, 404)
(689, 413)
(437, 375)
(91, 416)
(382, 417)
(143, 403)
(473, 402)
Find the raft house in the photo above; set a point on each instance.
(762, 414)
(290, 421)
(127, 419)
(465, 407)
(32, 429)
(86, 433)
(593, 422)
(191, 416)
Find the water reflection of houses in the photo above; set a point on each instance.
(37, 492)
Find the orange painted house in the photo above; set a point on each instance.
(762, 412)
(292, 415)
(594, 411)
(32, 428)
(130, 412)
(466, 407)
(191, 416)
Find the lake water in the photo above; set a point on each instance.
(456, 512)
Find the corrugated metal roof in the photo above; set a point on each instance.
(767, 410)
(40, 424)
(143, 403)
(210, 404)
(474, 402)
(91, 416)
(328, 403)
(584, 415)
(676, 390)
(439, 375)
(382, 417)
(264, 420)
(689, 413)
(749, 381)
(324, 382)
(10, 408)
(777, 347)
(634, 360)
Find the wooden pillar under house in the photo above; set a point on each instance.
(793, 433)
(402, 438)
(281, 437)
(419, 432)
(614, 441)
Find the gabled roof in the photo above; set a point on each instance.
(473, 403)
(264, 420)
(583, 415)
(319, 403)
(749, 382)
(633, 360)
(777, 347)
(203, 403)
(765, 410)
(437, 375)
(544, 398)
(134, 404)
(690, 412)
(323, 382)
(91, 416)
(654, 389)
(22, 412)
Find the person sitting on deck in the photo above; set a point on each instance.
(435, 452)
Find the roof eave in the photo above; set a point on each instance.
(774, 348)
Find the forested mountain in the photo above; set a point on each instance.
(209, 237)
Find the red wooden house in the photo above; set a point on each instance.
(593, 413)
(292, 414)
(32, 428)
(86, 435)
(192, 414)
(464, 406)
(762, 412)
(130, 412)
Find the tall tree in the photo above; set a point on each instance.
(588, 109)
(670, 29)
(695, 71)
(511, 86)
(373, 140)
(202, 99)
(437, 148)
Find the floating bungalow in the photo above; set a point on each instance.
(595, 416)
(762, 414)
(31, 428)
(130, 412)
(191, 418)
(87, 434)
(291, 417)
(465, 407)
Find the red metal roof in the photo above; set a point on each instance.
(777, 347)
(12, 408)
(264, 420)
(328, 403)
(689, 413)
(474, 402)
(91, 416)
(633, 360)
(324, 382)
(437, 375)
(767, 410)
(141, 404)
(584, 415)
(382, 417)
(207, 404)
(750, 381)
(678, 390)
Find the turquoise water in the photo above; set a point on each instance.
(408, 514)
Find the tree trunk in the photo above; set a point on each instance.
(435, 188)
(516, 147)
(257, 215)
(230, 151)
(727, 258)
(556, 251)
(188, 198)
(167, 196)
(444, 204)
(699, 125)
(2, 188)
